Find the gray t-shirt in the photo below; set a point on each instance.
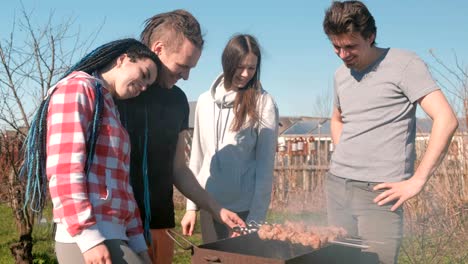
(378, 108)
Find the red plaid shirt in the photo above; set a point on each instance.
(101, 205)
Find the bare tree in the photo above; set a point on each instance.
(323, 109)
(29, 66)
(454, 79)
(435, 220)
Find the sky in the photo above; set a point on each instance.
(298, 62)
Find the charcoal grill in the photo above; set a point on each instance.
(251, 249)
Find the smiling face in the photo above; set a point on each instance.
(354, 50)
(132, 76)
(176, 62)
(244, 71)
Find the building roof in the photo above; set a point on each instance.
(310, 126)
(320, 126)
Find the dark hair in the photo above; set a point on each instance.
(106, 55)
(349, 17)
(33, 169)
(172, 27)
(245, 103)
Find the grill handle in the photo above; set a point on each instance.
(212, 259)
(176, 236)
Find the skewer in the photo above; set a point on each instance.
(364, 241)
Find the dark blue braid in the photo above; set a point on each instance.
(31, 168)
(144, 168)
(95, 125)
(34, 165)
(146, 194)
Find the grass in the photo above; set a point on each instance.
(43, 250)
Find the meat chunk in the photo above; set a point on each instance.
(301, 233)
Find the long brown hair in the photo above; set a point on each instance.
(245, 104)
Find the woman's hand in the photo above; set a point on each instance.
(97, 255)
(188, 222)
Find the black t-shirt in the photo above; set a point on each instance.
(168, 112)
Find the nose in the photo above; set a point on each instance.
(343, 53)
(245, 73)
(185, 74)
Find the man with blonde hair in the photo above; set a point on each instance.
(157, 123)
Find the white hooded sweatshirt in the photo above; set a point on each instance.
(236, 168)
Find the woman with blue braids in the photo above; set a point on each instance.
(79, 144)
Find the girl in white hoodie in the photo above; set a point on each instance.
(234, 141)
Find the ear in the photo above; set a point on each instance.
(157, 47)
(120, 60)
(371, 38)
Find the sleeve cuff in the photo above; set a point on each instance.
(89, 238)
(191, 206)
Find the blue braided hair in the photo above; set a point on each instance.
(33, 169)
(140, 142)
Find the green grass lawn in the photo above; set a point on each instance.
(43, 250)
(44, 254)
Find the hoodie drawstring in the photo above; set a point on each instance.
(219, 123)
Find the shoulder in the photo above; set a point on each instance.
(342, 71)
(176, 91)
(205, 97)
(402, 53)
(267, 102)
(401, 57)
(76, 83)
(265, 96)
(158, 96)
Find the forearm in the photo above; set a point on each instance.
(188, 185)
(336, 126)
(439, 141)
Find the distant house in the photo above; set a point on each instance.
(457, 152)
(311, 137)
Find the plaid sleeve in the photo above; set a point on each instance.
(70, 112)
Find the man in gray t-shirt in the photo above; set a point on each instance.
(374, 126)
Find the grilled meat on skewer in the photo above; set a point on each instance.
(300, 233)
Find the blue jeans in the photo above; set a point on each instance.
(350, 205)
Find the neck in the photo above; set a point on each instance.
(231, 87)
(105, 77)
(374, 54)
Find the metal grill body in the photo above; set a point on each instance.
(251, 249)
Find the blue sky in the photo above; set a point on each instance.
(298, 61)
